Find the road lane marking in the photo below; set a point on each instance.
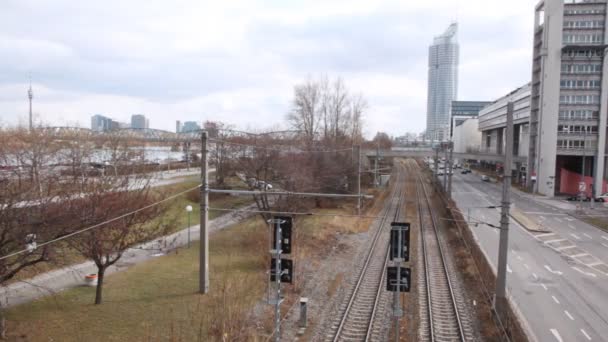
(565, 247)
(569, 315)
(555, 299)
(587, 235)
(542, 218)
(544, 286)
(575, 236)
(579, 255)
(535, 276)
(526, 266)
(591, 274)
(571, 226)
(544, 234)
(544, 213)
(586, 335)
(605, 245)
(604, 237)
(509, 269)
(513, 251)
(520, 258)
(569, 219)
(553, 271)
(558, 219)
(595, 263)
(556, 334)
(554, 241)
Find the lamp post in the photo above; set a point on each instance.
(189, 210)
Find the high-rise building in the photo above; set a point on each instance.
(191, 126)
(442, 83)
(178, 126)
(100, 123)
(139, 121)
(569, 97)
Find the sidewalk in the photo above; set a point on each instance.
(72, 276)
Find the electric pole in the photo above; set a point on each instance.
(436, 163)
(358, 148)
(30, 95)
(501, 275)
(445, 167)
(451, 146)
(204, 209)
(376, 165)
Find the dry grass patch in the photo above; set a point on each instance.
(158, 300)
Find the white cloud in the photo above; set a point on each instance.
(237, 61)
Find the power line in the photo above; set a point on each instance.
(100, 224)
(287, 148)
(292, 213)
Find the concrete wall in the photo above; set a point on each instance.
(467, 137)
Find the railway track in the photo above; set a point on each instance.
(440, 318)
(356, 319)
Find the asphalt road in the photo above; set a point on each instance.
(559, 279)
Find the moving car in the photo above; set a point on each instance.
(485, 178)
(465, 171)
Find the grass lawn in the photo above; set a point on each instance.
(157, 300)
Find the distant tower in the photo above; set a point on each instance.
(30, 95)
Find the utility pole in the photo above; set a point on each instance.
(583, 190)
(204, 233)
(30, 95)
(436, 163)
(501, 277)
(358, 148)
(376, 165)
(451, 146)
(445, 167)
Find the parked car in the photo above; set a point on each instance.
(485, 178)
(576, 198)
(602, 198)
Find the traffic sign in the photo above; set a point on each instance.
(392, 284)
(400, 232)
(582, 186)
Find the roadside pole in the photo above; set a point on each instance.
(445, 167)
(501, 277)
(376, 165)
(204, 209)
(359, 179)
(436, 164)
(451, 146)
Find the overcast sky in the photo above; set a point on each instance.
(237, 61)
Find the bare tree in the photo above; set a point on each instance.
(106, 244)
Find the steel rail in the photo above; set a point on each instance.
(443, 258)
(363, 272)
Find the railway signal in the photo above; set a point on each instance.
(400, 242)
(286, 270)
(285, 225)
(398, 283)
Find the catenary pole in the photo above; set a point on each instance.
(451, 146)
(501, 278)
(445, 167)
(204, 209)
(359, 179)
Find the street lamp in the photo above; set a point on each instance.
(189, 210)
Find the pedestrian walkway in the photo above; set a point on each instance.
(73, 276)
